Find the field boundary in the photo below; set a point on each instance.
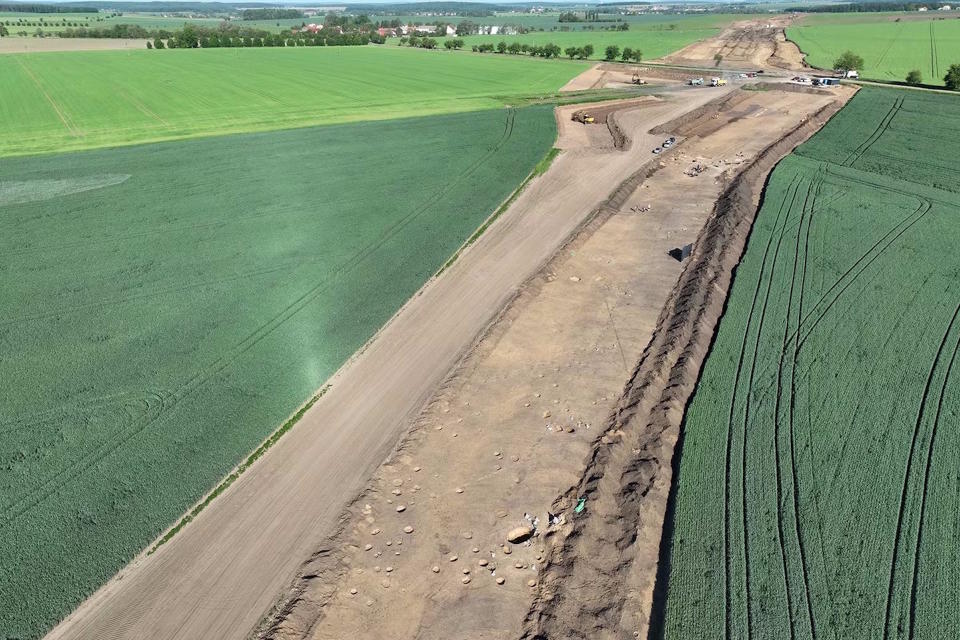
(541, 168)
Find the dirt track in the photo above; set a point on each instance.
(533, 418)
(31, 45)
(218, 576)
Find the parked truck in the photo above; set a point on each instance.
(696, 81)
(718, 82)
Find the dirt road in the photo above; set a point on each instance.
(512, 428)
(218, 576)
(32, 45)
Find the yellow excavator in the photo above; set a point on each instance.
(583, 117)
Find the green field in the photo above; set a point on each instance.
(78, 100)
(817, 492)
(57, 22)
(889, 49)
(165, 307)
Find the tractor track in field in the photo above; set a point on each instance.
(925, 491)
(905, 489)
(807, 213)
(934, 61)
(389, 233)
(64, 118)
(728, 624)
(881, 128)
(776, 428)
(32, 498)
(816, 317)
(886, 50)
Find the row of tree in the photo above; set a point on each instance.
(271, 14)
(951, 80)
(192, 37)
(45, 8)
(849, 61)
(862, 7)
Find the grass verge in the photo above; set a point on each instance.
(538, 170)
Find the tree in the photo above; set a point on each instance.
(627, 54)
(551, 50)
(158, 43)
(848, 61)
(572, 52)
(914, 77)
(149, 45)
(501, 47)
(448, 44)
(717, 59)
(3, 31)
(637, 55)
(952, 79)
(587, 51)
(612, 52)
(428, 43)
(514, 48)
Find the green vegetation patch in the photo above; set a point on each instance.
(817, 491)
(166, 307)
(890, 50)
(77, 100)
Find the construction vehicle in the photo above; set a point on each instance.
(636, 79)
(583, 117)
(696, 81)
(718, 82)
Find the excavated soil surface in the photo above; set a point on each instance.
(535, 428)
(755, 43)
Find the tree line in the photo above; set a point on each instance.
(192, 37)
(45, 8)
(549, 50)
(849, 61)
(271, 14)
(858, 7)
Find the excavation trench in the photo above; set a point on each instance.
(598, 581)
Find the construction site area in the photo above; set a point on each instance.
(540, 467)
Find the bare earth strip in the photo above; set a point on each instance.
(750, 43)
(536, 417)
(222, 573)
(30, 45)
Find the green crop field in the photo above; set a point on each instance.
(57, 22)
(889, 49)
(166, 306)
(817, 492)
(77, 100)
